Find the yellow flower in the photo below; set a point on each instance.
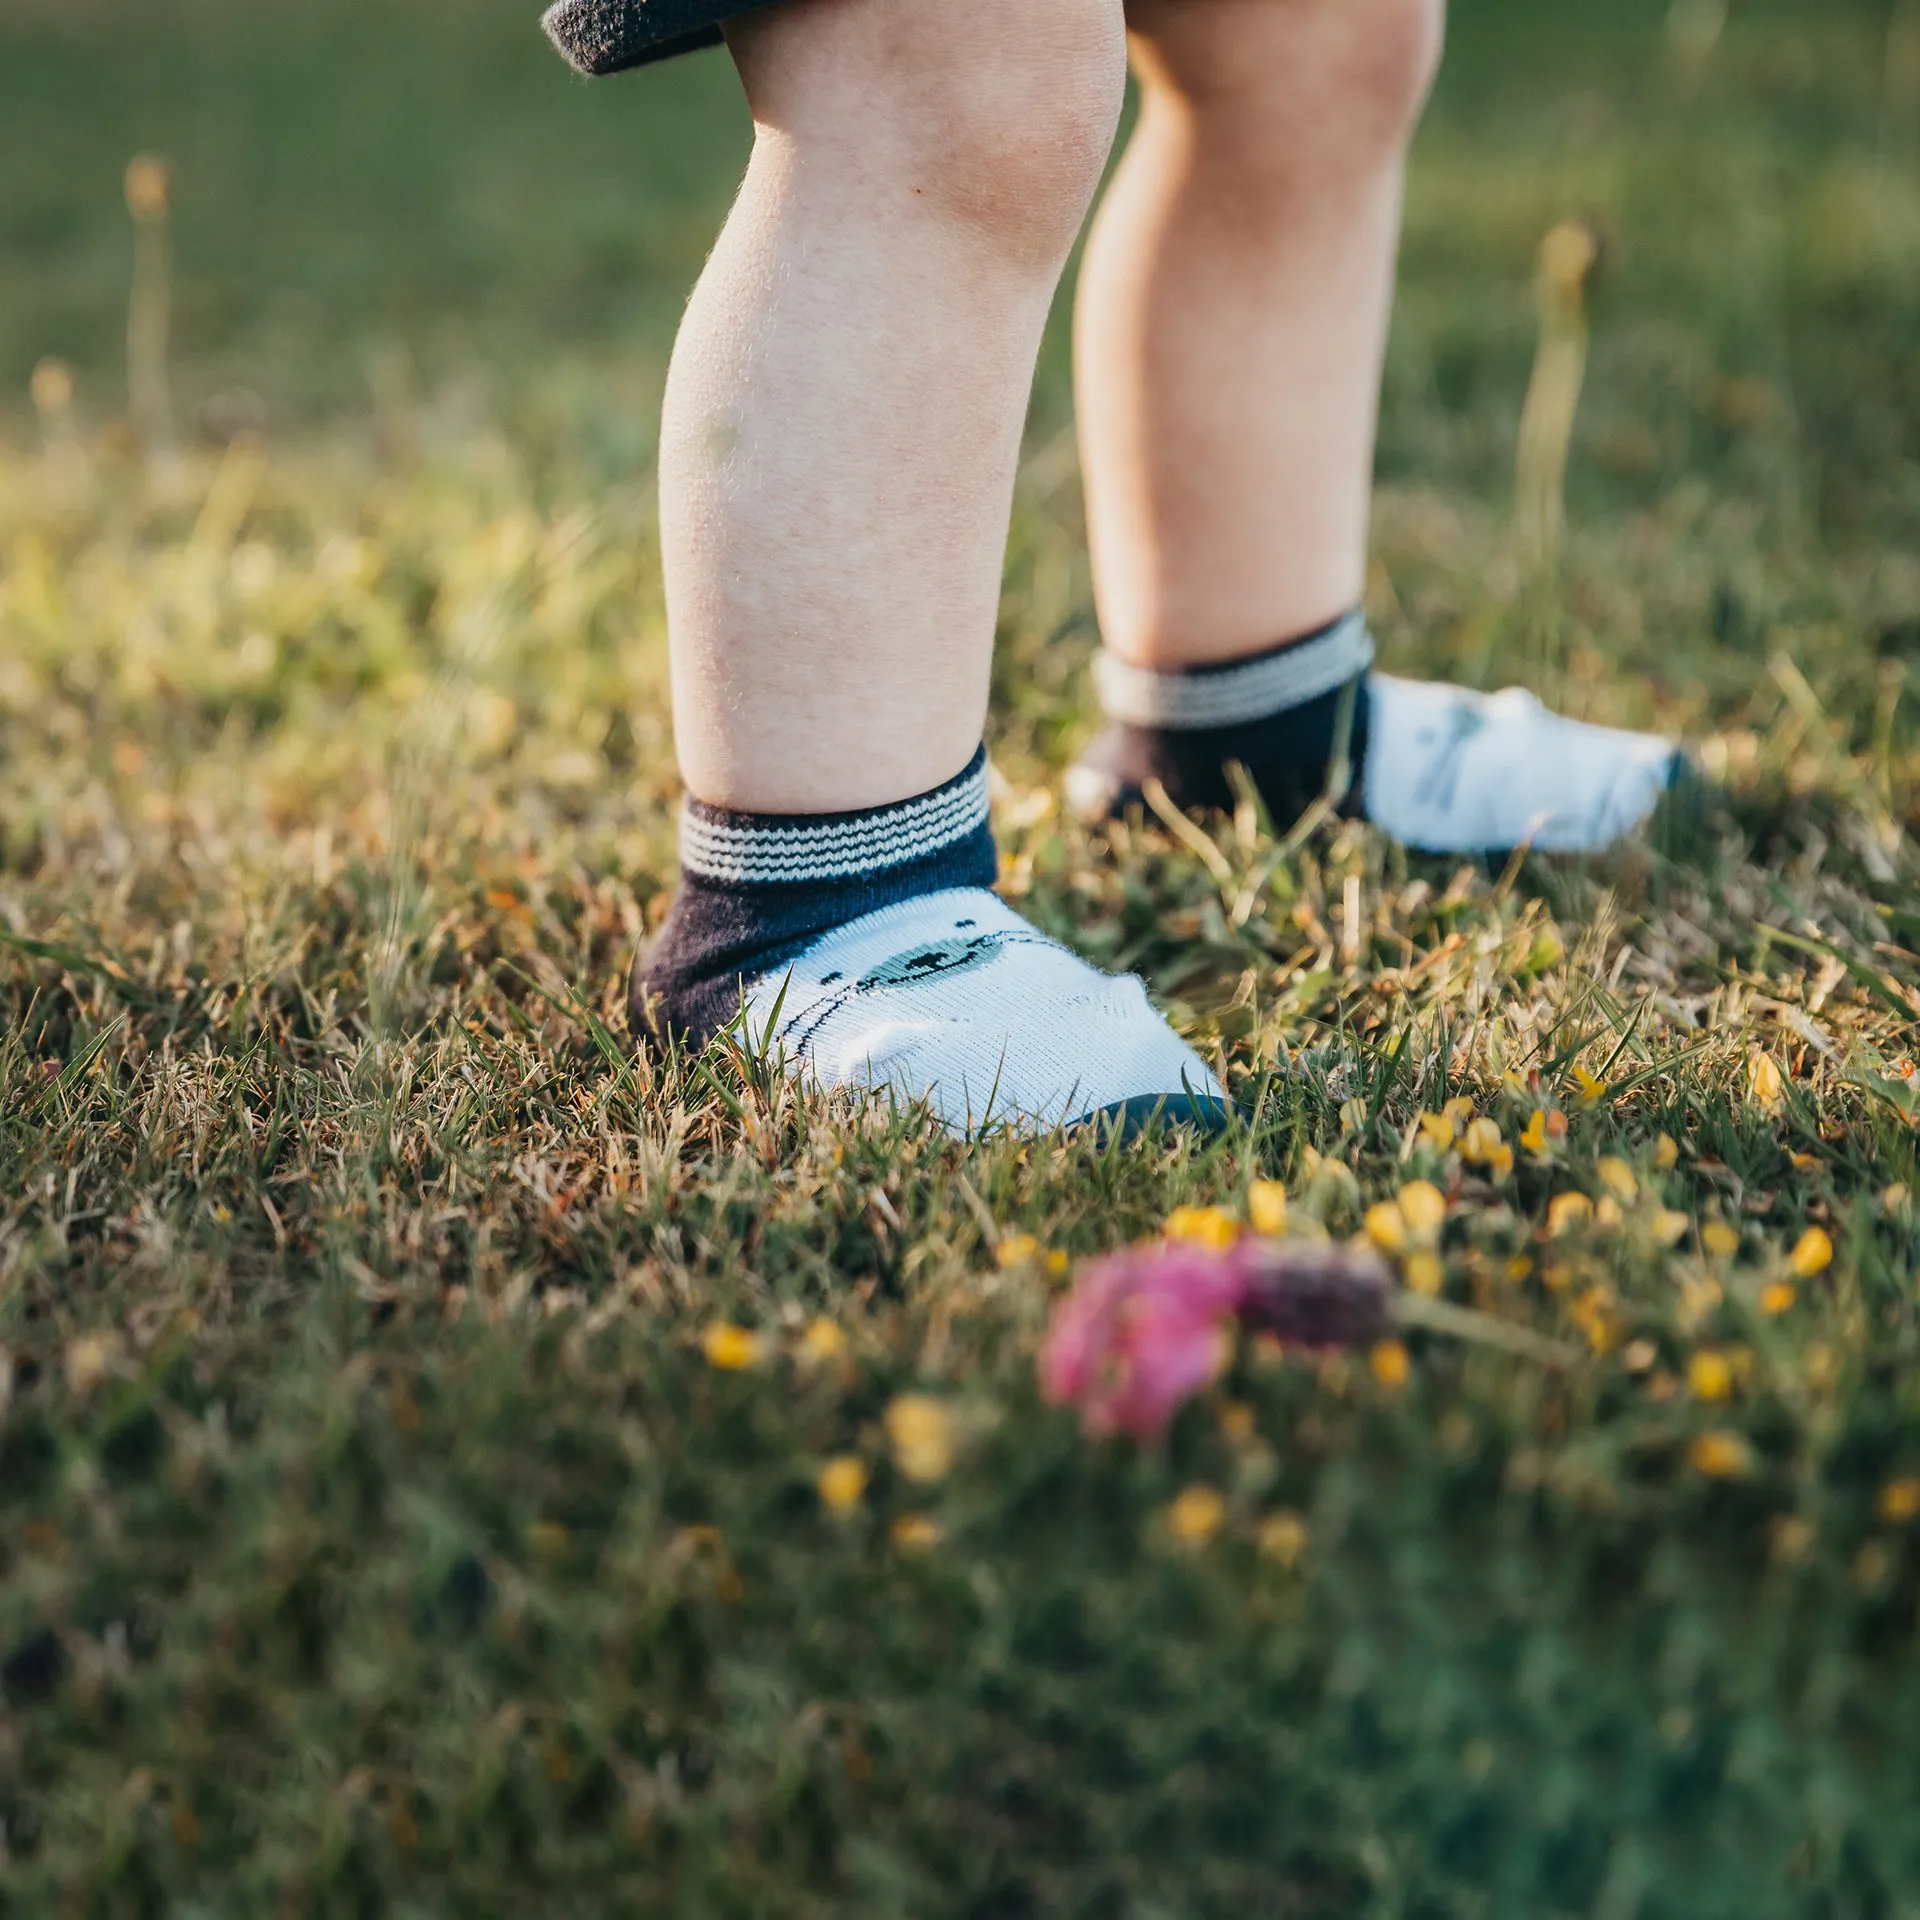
(1212, 1227)
(1804, 1162)
(1534, 1136)
(90, 1359)
(1720, 1239)
(1720, 1455)
(1195, 1517)
(1813, 1253)
(1459, 1110)
(1895, 1198)
(843, 1483)
(1617, 1177)
(1666, 1152)
(1324, 1166)
(1267, 1207)
(1058, 1263)
(1899, 1502)
(1390, 1364)
(914, 1533)
(731, 1348)
(1520, 1268)
(1792, 1539)
(1670, 1227)
(1283, 1537)
(1567, 1212)
(1016, 1249)
(1500, 1161)
(1698, 1298)
(1385, 1228)
(1872, 1567)
(1777, 1298)
(1236, 1420)
(1764, 1082)
(1607, 1215)
(1438, 1130)
(1423, 1207)
(1592, 1088)
(1423, 1272)
(1594, 1314)
(1481, 1141)
(922, 1434)
(822, 1341)
(1710, 1376)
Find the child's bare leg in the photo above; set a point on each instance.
(842, 426)
(844, 412)
(1232, 324)
(1233, 317)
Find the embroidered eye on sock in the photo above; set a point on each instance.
(1442, 769)
(869, 951)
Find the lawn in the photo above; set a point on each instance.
(451, 1465)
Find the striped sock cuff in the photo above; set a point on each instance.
(756, 849)
(1241, 690)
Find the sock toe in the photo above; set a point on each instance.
(1133, 1119)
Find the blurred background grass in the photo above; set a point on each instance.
(375, 194)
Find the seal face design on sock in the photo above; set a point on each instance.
(956, 1001)
(1439, 781)
(929, 962)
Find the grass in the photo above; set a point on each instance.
(376, 1533)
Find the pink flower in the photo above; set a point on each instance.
(1147, 1329)
(1141, 1335)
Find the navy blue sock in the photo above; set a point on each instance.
(757, 889)
(1280, 715)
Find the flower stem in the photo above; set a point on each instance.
(1480, 1330)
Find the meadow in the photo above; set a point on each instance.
(450, 1463)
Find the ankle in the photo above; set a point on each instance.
(757, 889)
(1296, 718)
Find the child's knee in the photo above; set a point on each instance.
(1386, 72)
(999, 114)
(1350, 76)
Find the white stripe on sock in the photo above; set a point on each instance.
(718, 849)
(1142, 697)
